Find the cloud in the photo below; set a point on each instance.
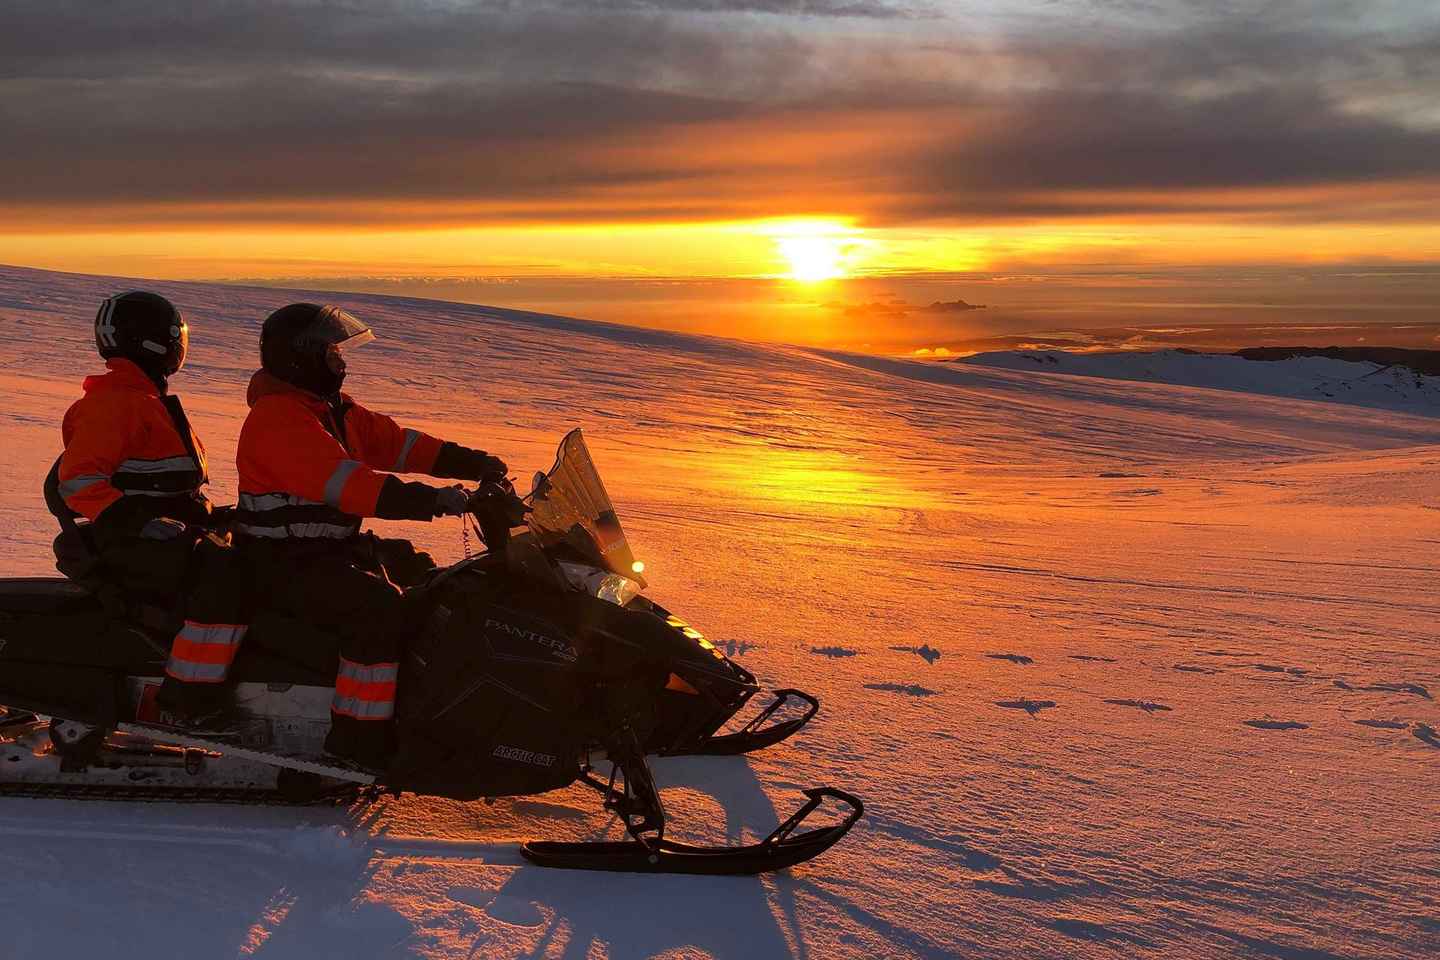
(1079, 154)
(795, 8)
(448, 112)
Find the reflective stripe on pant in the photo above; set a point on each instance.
(365, 691)
(203, 652)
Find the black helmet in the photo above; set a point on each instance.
(301, 345)
(144, 328)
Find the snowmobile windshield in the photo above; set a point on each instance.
(569, 507)
(333, 327)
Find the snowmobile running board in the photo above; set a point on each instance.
(775, 852)
(166, 776)
(180, 738)
(751, 737)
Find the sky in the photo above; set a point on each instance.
(580, 153)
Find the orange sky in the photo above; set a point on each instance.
(810, 141)
(810, 248)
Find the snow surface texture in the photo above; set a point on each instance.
(1215, 736)
(1308, 378)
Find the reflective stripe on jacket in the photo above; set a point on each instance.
(122, 440)
(305, 476)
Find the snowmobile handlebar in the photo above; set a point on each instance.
(497, 510)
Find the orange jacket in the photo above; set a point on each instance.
(303, 474)
(123, 442)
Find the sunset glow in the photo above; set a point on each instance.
(824, 147)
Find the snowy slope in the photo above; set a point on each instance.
(1308, 378)
(996, 581)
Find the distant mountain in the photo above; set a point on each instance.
(1358, 376)
(953, 306)
(1421, 361)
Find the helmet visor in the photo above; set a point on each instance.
(179, 344)
(333, 327)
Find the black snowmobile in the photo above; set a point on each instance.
(539, 664)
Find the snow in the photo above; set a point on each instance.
(1309, 378)
(876, 532)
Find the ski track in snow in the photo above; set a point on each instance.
(1249, 561)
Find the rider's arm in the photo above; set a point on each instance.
(97, 433)
(386, 446)
(399, 500)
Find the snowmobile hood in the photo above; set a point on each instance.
(263, 384)
(124, 375)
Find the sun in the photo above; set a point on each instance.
(813, 258)
(814, 250)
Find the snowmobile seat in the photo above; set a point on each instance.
(63, 651)
(54, 621)
(46, 595)
(60, 621)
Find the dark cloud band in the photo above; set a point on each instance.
(632, 109)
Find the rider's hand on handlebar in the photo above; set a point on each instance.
(451, 501)
(493, 469)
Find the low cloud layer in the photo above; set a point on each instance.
(388, 112)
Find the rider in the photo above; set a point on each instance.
(134, 468)
(312, 464)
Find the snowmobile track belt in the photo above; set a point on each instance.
(140, 794)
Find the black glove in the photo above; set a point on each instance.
(451, 501)
(455, 462)
(162, 528)
(494, 469)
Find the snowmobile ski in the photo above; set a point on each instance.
(754, 735)
(782, 848)
(632, 795)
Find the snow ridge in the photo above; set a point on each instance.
(1364, 384)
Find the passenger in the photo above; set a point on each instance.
(312, 464)
(134, 468)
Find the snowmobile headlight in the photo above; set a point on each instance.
(600, 583)
(617, 589)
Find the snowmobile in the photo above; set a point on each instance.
(538, 665)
